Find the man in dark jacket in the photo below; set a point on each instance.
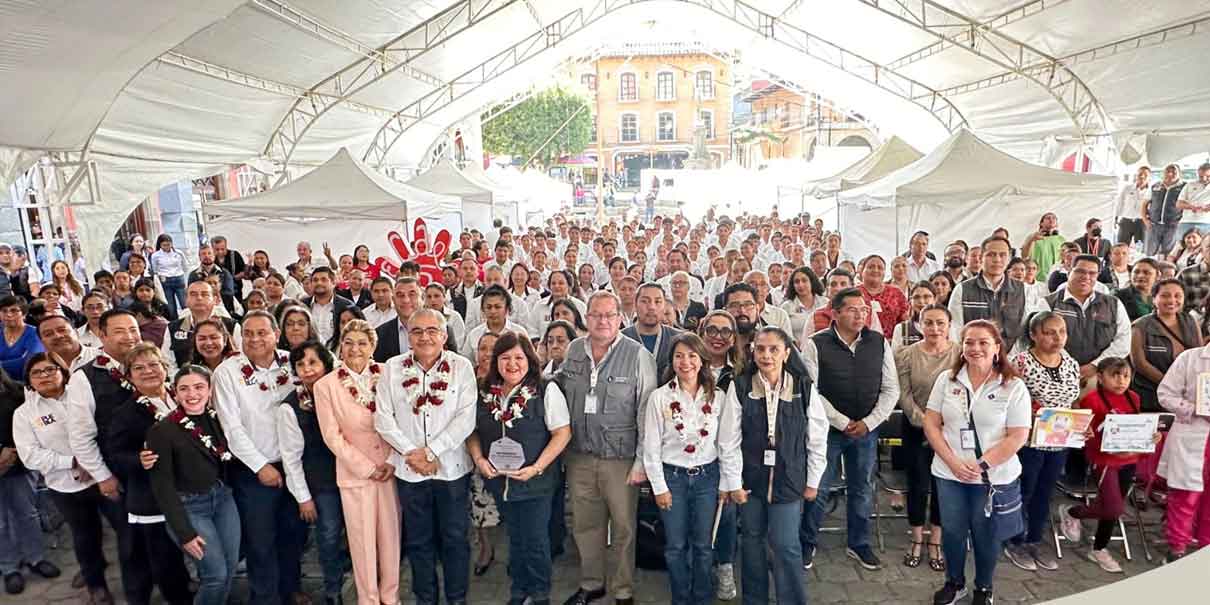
(325, 305)
(649, 329)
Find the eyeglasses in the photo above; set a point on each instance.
(603, 316)
(427, 332)
(746, 305)
(713, 332)
(45, 372)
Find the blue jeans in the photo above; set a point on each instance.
(329, 528)
(274, 536)
(529, 566)
(174, 292)
(1040, 471)
(20, 527)
(438, 512)
(216, 520)
(687, 527)
(777, 526)
(962, 516)
(727, 541)
(860, 456)
(1160, 238)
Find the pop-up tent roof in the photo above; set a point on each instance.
(340, 202)
(966, 188)
(889, 157)
(477, 199)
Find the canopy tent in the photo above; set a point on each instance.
(342, 201)
(889, 157)
(966, 188)
(477, 199)
(506, 199)
(545, 194)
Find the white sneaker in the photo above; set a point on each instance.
(1105, 560)
(725, 581)
(1069, 525)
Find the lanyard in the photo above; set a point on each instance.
(772, 399)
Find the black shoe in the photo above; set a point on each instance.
(45, 568)
(983, 596)
(808, 557)
(865, 556)
(336, 600)
(584, 597)
(14, 583)
(629, 601)
(949, 594)
(520, 601)
(540, 602)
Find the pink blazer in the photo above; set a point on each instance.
(348, 429)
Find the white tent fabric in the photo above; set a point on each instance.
(340, 202)
(162, 90)
(892, 155)
(966, 188)
(444, 177)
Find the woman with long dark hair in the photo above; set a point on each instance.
(804, 293)
(71, 293)
(568, 311)
(211, 343)
(169, 266)
(521, 416)
(561, 285)
(920, 295)
(361, 261)
(943, 283)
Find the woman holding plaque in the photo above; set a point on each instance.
(692, 457)
(521, 428)
(365, 469)
(1185, 463)
(1053, 379)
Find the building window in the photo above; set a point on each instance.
(707, 118)
(592, 133)
(628, 88)
(785, 115)
(705, 84)
(666, 130)
(589, 81)
(764, 115)
(665, 87)
(630, 128)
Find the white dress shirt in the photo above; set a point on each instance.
(88, 338)
(1198, 194)
(292, 443)
(40, 433)
(1129, 203)
(82, 427)
(776, 316)
(248, 414)
(888, 391)
(663, 444)
(921, 272)
(321, 317)
(470, 345)
(817, 421)
(1007, 407)
(86, 356)
(442, 429)
(377, 318)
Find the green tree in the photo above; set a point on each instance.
(522, 130)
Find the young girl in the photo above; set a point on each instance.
(1115, 471)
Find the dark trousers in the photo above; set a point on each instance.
(83, 511)
(1130, 230)
(438, 511)
(727, 542)
(918, 460)
(1110, 502)
(529, 567)
(329, 536)
(274, 536)
(1040, 471)
(557, 527)
(164, 563)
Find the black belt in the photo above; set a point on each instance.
(691, 471)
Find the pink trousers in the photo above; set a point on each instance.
(372, 521)
(1189, 512)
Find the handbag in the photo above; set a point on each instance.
(1003, 505)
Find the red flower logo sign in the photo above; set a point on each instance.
(420, 251)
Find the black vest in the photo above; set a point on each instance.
(1158, 350)
(911, 335)
(851, 381)
(1163, 210)
(319, 463)
(790, 435)
(1088, 332)
(1004, 307)
(107, 393)
(182, 342)
(533, 435)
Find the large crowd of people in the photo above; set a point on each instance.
(731, 377)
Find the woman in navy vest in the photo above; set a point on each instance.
(521, 428)
(717, 330)
(783, 434)
(691, 454)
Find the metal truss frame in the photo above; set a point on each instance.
(747, 16)
(964, 35)
(70, 171)
(396, 55)
(1073, 95)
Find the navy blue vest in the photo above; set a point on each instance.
(319, 463)
(108, 394)
(851, 381)
(533, 435)
(790, 435)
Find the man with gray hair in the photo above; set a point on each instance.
(606, 379)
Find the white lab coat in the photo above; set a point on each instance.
(1184, 453)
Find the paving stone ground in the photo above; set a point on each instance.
(834, 579)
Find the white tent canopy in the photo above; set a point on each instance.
(966, 189)
(477, 199)
(889, 157)
(341, 201)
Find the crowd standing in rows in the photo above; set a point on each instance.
(728, 366)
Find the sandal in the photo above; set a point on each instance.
(936, 564)
(910, 558)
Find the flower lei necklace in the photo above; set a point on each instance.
(114, 368)
(181, 419)
(249, 373)
(354, 387)
(149, 405)
(306, 401)
(678, 420)
(412, 375)
(513, 410)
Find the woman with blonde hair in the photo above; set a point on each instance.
(364, 471)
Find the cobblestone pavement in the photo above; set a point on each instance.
(834, 578)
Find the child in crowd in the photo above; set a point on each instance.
(1115, 471)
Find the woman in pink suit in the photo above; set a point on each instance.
(365, 472)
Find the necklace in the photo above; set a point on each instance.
(511, 410)
(148, 403)
(114, 369)
(282, 374)
(180, 418)
(692, 438)
(413, 376)
(351, 385)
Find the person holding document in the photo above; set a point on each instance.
(1185, 463)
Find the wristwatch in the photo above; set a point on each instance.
(985, 466)
(428, 455)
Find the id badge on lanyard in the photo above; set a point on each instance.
(967, 435)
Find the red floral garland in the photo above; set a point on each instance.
(440, 385)
(346, 380)
(283, 374)
(677, 417)
(208, 441)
